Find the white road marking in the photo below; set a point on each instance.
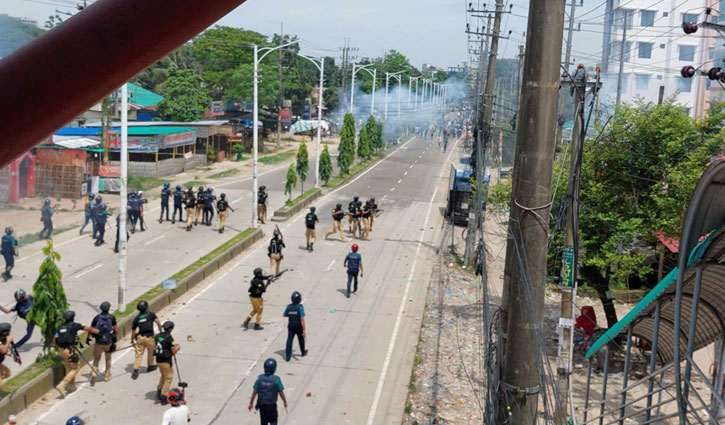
(384, 197)
(415, 162)
(405, 173)
(400, 181)
(97, 266)
(329, 268)
(411, 166)
(158, 238)
(392, 189)
(396, 328)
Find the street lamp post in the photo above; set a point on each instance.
(255, 125)
(416, 92)
(410, 89)
(388, 76)
(320, 64)
(122, 252)
(374, 74)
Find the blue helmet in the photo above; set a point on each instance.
(166, 185)
(296, 297)
(99, 199)
(75, 420)
(46, 201)
(270, 366)
(91, 196)
(178, 187)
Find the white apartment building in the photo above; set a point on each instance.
(655, 50)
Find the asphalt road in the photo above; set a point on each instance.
(360, 349)
(90, 272)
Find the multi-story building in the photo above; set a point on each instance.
(655, 50)
(713, 47)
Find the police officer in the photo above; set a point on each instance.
(262, 204)
(353, 262)
(190, 203)
(268, 386)
(46, 214)
(88, 213)
(274, 252)
(351, 209)
(99, 201)
(257, 288)
(337, 215)
(105, 322)
(310, 233)
(209, 199)
(6, 342)
(101, 219)
(143, 338)
(9, 250)
(166, 349)
(118, 231)
(165, 195)
(365, 213)
(199, 205)
(178, 198)
(23, 302)
(65, 340)
(140, 201)
(221, 208)
(134, 211)
(295, 312)
(372, 206)
(75, 420)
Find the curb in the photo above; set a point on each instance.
(285, 214)
(46, 381)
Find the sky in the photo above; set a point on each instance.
(426, 31)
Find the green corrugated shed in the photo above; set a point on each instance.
(141, 96)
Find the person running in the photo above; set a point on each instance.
(353, 262)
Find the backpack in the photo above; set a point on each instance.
(310, 220)
(105, 326)
(65, 337)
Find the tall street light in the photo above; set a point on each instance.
(124, 200)
(373, 73)
(320, 64)
(410, 86)
(388, 76)
(255, 126)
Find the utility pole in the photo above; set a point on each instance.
(484, 116)
(621, 59)
(571, 244)
(343, 69)
(280, 92)
(527, 245)
(607, 39)
(567, 64)
(124, 201)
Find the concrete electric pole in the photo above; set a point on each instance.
(527, 245)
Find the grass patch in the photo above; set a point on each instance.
(454, 253)
(408, 408)
(227, 173)
(273, 159)
(203, 169)
(40, 365)
(354, 170)
(29, 238)
(298, 199)
(417, 360)
(158, 289)
(287, 139)
(144, 183)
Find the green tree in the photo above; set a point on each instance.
(49, 302)
(303, 165)
(346, 154)
(185, 99)
(291, 182)
(375, 134)
(363, 144)
(325, 165)
(241, 85)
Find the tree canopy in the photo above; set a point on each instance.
(185, 99)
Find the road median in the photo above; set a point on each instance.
(35, 381)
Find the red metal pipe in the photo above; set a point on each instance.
(56, 77)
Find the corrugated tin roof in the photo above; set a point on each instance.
(142, 96)
(132, 130)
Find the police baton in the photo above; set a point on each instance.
(78, 353)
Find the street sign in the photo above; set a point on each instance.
(567, 271)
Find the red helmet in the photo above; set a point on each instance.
(354, 247)
(175, 396)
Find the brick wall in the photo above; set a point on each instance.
(165, 167)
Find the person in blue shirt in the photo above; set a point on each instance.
(165, 195)
(23, 302)
(178, 202)
(94, 208)
(101, 220)
(295, 312)
(9, 250)
(268, 387)
(88, 213)
(46, 214)
(353, 262)
(209, 199)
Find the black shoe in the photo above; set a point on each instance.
(257, 327)
(158, 394)
(151, 368)
(161, 220)
(173, 221)
(304, 353)
(134, 374)
(286, 358)
(312, 247)
(220, 231)
(246, 323)
(164, 400)
(5, 277)
(347, 295)
(133, 231)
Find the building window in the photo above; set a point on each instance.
(687, 53)
(645, 50)
(689, 17)
(616, 50)
(642, 82)
(647, 18)
(659, 77)
(687, 110)
(684, 85)
(620, 15)
(662, 46)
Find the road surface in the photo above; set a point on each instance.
(360, 349)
